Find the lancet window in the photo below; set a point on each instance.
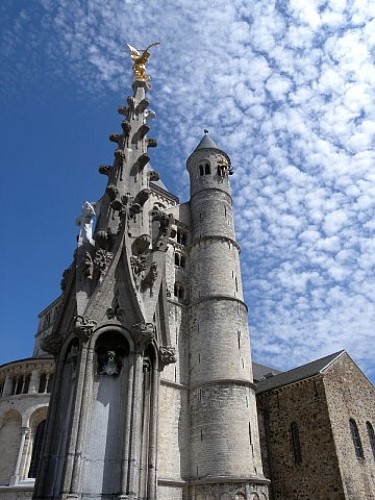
(356, 438)
(296, 443)
(371, 436)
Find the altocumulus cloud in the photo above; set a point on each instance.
(286, 88)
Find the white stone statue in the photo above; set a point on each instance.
(86, 221)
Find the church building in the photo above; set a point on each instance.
(144, 359)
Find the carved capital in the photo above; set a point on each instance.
(167, 355)
(84, 327)
(143, 334)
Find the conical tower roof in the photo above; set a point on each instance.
(206, 143)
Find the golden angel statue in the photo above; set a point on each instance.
(140, 58)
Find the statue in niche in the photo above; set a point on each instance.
(86, 221)
(140, 58)
(108, 364)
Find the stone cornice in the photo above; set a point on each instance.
(218, 297)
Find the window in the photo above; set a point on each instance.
(356, 438)
(371, 436)
(181, 237)
(179, 291)
(42, 383)
(204, 169)
(37, 449)
(179, 260)
(296, 443)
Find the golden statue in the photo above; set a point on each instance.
(140, 58)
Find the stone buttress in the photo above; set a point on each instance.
(111, 340)
(225, 453)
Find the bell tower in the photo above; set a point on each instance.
(224, 430)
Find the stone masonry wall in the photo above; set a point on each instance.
(317, 476)
(351, 396)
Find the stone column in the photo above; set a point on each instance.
(34, 382)
(7, 391)
(16, 476)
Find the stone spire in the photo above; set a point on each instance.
(109, 341)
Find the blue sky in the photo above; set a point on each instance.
(286, 88)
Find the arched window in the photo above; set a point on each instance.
(201, 170)
(371, 436)
(37, 449)
(296, 443)
(356, 438)
(207, 169)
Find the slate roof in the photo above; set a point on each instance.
(262, 371)
(206, 143)
(300, 373)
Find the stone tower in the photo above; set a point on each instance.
(152, 394)
(224, 429)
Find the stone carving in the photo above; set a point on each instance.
(105, 169)
(115, 312)
(142, 196)
(143, 334)
(84, 327)
(120, 158)
(112, 191)
(154, 176)
(102, 239)
(138, 264)
(51, 343)
(126, 127)
(117, 138)
(140, 58)
(87, 266)
(165, 229)
(85, 221)
(150, 278)
(64, 279)
(122, 110)
(167, 355)
(141, 244)
(142, 105)
(151, 143)
(101, 261)
(109, 364)
(142, 161)
(131, 102)
(150, 114)
(141, 132)
(134, 209)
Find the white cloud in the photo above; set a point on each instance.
(289, 94)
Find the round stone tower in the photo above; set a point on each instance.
(225, 452)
